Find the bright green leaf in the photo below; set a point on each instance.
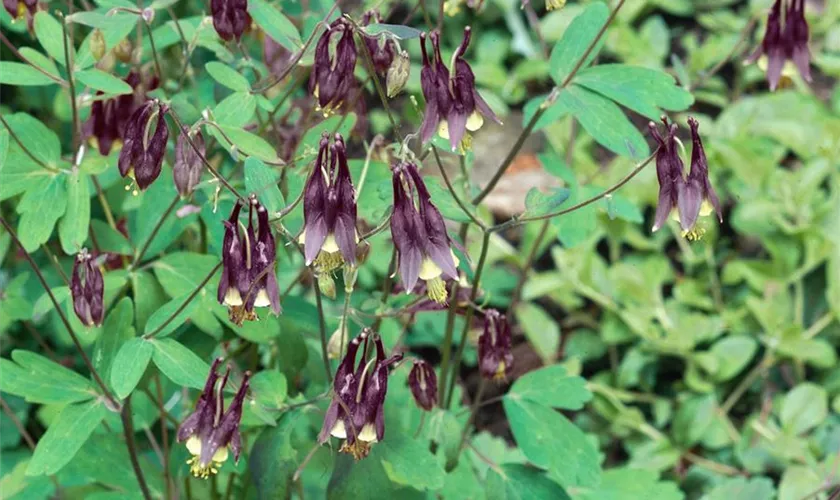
(227, 76)
(580, 34)
(552, 386)
(542, 332)
(180, 364)
(65, 436)
(15, 73)
(520, 482)
(275, 24)
(100, 80)
(131, 360)
(261, 180)
(73, 227)
(803, 408)
(49, 33)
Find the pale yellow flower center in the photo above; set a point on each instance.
(204, 471)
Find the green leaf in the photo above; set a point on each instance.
(803, 408)
(227, 76)
(275, 24)
(542, 332)
(248, 143)
(552, 386)
(605, 122)
(160, 316)
(741, 487)
(645, 91)
(39, 140)
(100, 80)
(307, 149)
(444, 201)
(180, 364)
(799, 482)
(273, 459)
(109, 239)
(65, 435)
(235, 110)
(114, 28)
(693, 419)
(538, 203)
(14, 73)
(49, 33)
(261, 180)
(73, 227)
(520, 482)
(180, 273)
(39, 380)
(117, 331)
(553, 443)
(632, 484)
(733, 354)
(40, 209)
(132, 360)
(269, 388)
(579, 35)
(408, 462)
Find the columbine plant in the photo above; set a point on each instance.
(332, 73)
(210, 432)
(356, 413)
(419, 235)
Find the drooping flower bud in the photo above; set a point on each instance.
(423, 384)
(356, 413)
(21, 9)
(210, 432)
(123, 51)
(453, 105)
(332, 72)
(87, 289)
(188, 165)
(248, 277)
(784, 40)
(696, 196)
(382, 49)
(108, 118)
(329, 210)
(97, 44)
(230, 18)
(398, 74)
(494, 347)
(145, 144)
(419, 233)
(669, 171)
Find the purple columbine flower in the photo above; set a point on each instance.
(21, 9)
(230, 18)
(697, 196)
(188, 164)
(109, 118)
(329, 209)
(784, 42)
(494, 347)
(669, 171)
(332, 72)
(145, 144)
(382, 49)
(453, 105)
(248, 258)
(356, 413)
(420, 236)
(423, 384)
(87, 289)
(211, 432)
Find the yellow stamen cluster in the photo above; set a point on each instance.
(436, 290)
(554, 4)
(196, 467)
(327, 262)
(499, 376)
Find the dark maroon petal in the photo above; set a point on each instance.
(689, 199)
(330, 419)
(133, 149)
(149, 170)
(431, 119)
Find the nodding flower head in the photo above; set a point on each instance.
(684, 198)
(145, 139)
(785, 40)
(248, 278)
(109, 117)
(21, 9)
(188, 164)
(329, 209)
(494, 347)
(356, 413)
(332, 72)
(210, 432)
(230, 18)
(87, 289)
(453, 105)
(423, 384)
(419, 235)
(382, 49)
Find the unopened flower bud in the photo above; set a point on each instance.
(326, 284)
(148, 15)
(87, 289)
(398, 74)
(188, 165)
(338, 342)
(97, 44)
(123, 51)
(423, 384)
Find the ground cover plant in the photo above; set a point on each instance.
(463, 249)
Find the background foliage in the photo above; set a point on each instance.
(646, 366)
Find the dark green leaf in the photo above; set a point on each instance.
(261, 180)
(73, 227)
(49, 33)
(273, 459)
(99, 80)
(275, 24)
(131, 362)
(163, 314)
(15, 73)
(542, 332)
(248, 143)
(539, 203)
(408, 462)
(65, 436)
(269, 388)
(580, 34)
(40, 209)
(552, 386)
(39, 380)
(520, 482)
(180, 364)
(632, 484)
(235, 111)
(227, 76)
(117, 331)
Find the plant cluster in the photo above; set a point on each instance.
(295, 192)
